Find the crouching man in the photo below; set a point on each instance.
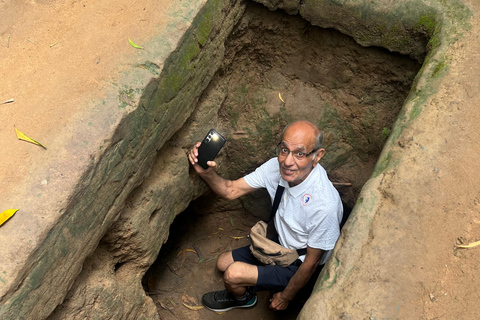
(308, 216)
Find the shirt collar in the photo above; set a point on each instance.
(303, 186)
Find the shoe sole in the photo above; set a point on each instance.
(235, 307)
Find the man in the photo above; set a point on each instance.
(308, 216)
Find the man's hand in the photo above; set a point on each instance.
(227, 189)
(193, 159)
(279, 302)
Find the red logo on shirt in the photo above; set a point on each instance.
(306, 199)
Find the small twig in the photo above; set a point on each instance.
(30, 41)
(341, 184)
(8, 101)
(8, 42)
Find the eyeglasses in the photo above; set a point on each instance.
(297, 154)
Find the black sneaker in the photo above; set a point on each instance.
(220, 301)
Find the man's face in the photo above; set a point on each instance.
(298, 138)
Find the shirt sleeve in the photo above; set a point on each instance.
(324, 234)
(324, 226)
(263, 174)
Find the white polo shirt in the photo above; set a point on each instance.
(308, 214)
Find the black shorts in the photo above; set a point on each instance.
(270, 277)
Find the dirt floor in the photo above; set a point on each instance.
(185, 269)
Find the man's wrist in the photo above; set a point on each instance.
(287, 296)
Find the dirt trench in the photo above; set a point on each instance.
(352, 93)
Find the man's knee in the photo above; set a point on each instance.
(224, 260)
(233, 273)
(241, 273)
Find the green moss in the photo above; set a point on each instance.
(207, 22)
(382, 164)
(327, 280)
(427, 23)
(440, 69)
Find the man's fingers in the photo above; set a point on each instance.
(193, 154)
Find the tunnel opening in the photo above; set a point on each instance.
(277, 68)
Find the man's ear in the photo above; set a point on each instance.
(318, 155)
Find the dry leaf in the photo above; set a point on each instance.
(236, 238)
(219, 230)
(189, 300)
(195, 308)
(183, 259)
(470, 245)
(7, 214)
(280, 96)
(23, 137)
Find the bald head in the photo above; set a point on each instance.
(311, 132)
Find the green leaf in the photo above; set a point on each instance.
(134, 45)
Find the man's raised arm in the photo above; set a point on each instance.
(228, 189)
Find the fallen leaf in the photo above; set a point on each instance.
(470, 245)
(134, 45)
(219, 230)
(7, 214)
(183, 259)
(236, 238)
(212, 258)
(22, 136)
(187, 299)
(173, 303)
(280, 96)
(8, 101)
(195, 308)
(198, 252)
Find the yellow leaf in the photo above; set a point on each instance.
(219, 229)
(237, 238)
(470, 245)
(5, 215)
(280, 96)
(134, 45)
(190, 250)
(195, 308)
(23, 137)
